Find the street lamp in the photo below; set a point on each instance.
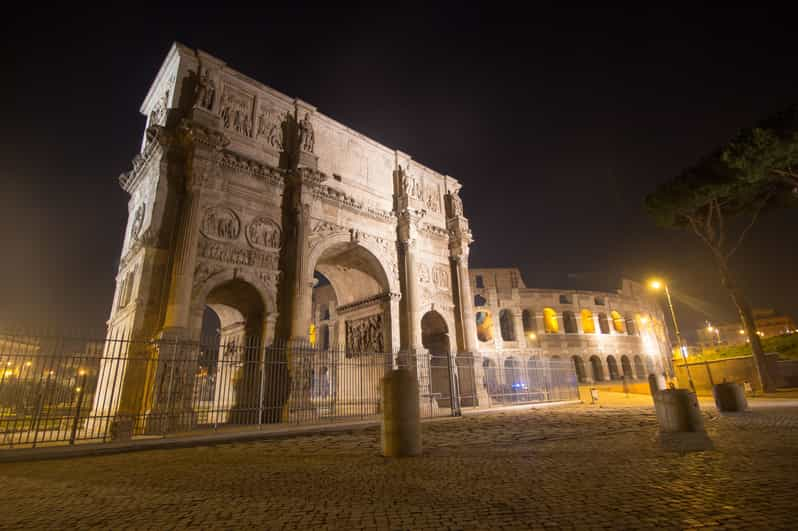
(657, 285)
(711, 329)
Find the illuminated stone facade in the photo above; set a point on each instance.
(241, 196)
(606, 334)
(290, 226)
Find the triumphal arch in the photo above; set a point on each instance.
(242, 199)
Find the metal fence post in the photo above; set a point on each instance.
(262, 385)
(169, 398)
(38, 414)
(81, 391)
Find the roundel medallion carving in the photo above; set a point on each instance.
(221, 223)
(138, 221)
(263, 233)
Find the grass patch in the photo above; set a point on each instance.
(786, 346)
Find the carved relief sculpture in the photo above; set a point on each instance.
(205, 271)
(263, 233)
(269, 127)
(236, 111)
(364, 336)
(428, 194)
(424, 274)
(437, 275)
(324, 228)
(220, 223)
(138, 222)
(440, 277)
(235, 255)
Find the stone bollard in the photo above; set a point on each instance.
(655, 383)
(678, 411)
(729, 397)
(401, 419)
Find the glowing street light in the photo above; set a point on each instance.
(532, 335)
(657, 284)
(712, 330)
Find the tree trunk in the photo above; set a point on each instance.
(749, 325)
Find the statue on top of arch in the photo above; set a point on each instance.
(307, 138)
(206, 91)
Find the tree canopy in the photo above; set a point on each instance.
(757, 169)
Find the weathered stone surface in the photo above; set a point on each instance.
(242, 197)
(729, 397)
(400, 431)
(574, 467)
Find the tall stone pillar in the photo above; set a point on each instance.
(469, 367)
(185, 256)
(540, 323)
(498, 340)
(201, 162)
(518, 323)
(410, 339)
(303, 287)
(301, 179)
(578, 318)
(465, 304)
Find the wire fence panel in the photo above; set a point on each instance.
(59, 390)
(510, 378)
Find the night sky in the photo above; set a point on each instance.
(557, 125)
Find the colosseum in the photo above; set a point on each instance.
(606, 335)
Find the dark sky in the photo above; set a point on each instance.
(557, 124)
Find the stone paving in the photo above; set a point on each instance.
(575, 466)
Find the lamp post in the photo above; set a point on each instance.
(657, 285)
(712, 330)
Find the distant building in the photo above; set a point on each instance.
(768, 322)
(606, 334)
(18, 355)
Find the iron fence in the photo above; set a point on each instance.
(509, 378)
(59, 390)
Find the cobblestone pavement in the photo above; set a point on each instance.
(567, 467)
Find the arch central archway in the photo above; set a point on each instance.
(349, 307)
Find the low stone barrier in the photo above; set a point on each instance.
(677, 411)
(401, 419)
(729, 397)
